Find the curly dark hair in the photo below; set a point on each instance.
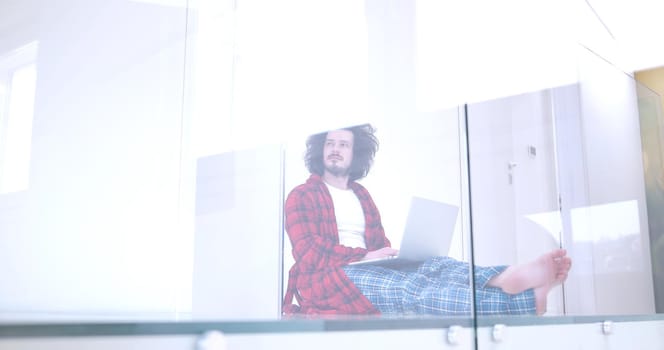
(365, 146)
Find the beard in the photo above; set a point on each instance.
(337, 170)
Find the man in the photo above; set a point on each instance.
(331, 221)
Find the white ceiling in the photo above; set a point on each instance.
(637, 26)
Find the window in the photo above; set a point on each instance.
(18, 76)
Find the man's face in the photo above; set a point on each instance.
(338, 152)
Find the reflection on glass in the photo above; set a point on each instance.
(550, 221)
(606, 222)
(238, 227)
(614, 231)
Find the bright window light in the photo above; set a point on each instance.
(18, 75)
(18, 130)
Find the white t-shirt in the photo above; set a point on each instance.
(350, 217)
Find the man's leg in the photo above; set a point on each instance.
(385, 288)
(455, 271)
(439, 286)
(410, 292)
(455, 287)
(493, 301)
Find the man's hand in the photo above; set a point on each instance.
(381, 253)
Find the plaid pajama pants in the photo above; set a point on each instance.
(439, 286)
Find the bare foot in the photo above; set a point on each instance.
(541, 274)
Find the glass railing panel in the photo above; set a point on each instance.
(586, 148)
(90, 118)
(149, 165)
(278, 85)
(608, 234)
(652, 141)
(417, 157)
(515, 199)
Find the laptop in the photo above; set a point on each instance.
(428, 233)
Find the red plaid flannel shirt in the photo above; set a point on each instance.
(317, 279)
